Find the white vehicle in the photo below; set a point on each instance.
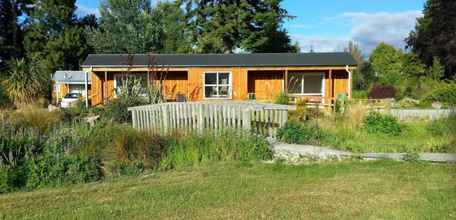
(71, 99)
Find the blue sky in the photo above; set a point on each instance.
(327, 25)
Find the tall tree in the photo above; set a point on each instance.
(11, 33)
(222, 26)
(263, 30)
(386, 63)
(126, 27)
(435, 34)
(360, 75)
(55, 34)
(175, 36)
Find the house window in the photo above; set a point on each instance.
(217, 85)
(131, 84)
(306, 84)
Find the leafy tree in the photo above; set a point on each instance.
(413, 67)
(56, 35)
(126, 27)
(437, 70)
(386, 62)
(360, 80)
(415, 82)
(24, 83)
(435, 34)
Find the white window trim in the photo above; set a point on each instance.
(230, 85)
(322, 93)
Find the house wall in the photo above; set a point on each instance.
(191, 84)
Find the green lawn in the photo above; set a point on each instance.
(345, 190)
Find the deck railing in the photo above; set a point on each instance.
(165, 118)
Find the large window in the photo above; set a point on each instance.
(131, 84)
(217, 85)
(306, 83)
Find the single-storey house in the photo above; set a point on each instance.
(67, 81)
(318, 76)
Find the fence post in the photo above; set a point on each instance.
(246, 119)
(200, 117)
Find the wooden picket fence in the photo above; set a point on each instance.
(165, 118)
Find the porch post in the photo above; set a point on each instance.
(331, 87)
(285, 83)
(105, 87)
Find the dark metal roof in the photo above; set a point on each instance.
(220, 60)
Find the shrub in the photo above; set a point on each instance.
(57, 164)
(360, 94)
(382, 92)
(341, 103)
(281, 99)
(409, 103)
(300, 133)
(209, 147)
(376, 122)
(445, 93)
(117, 109)
(15, 147)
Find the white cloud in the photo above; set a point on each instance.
(367, 29)
(370, 29)
(320, 44)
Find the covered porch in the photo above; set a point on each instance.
(316, 85)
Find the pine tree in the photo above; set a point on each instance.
(223, 26)
(175, 36)
(11, 33)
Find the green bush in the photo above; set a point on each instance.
(209, 147)
(16, 145)
(117, 109)
(360, 94)
(300, 133)
(281, 99)
(57, 164)
(376, 122)
(445, 93)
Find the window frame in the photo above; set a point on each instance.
(302, 93)
(217, 85)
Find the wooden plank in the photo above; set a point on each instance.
(246, 119)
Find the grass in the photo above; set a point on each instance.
(346, 190)
(347, 132)
(414, 138)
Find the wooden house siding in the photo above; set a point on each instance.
(265, 82)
